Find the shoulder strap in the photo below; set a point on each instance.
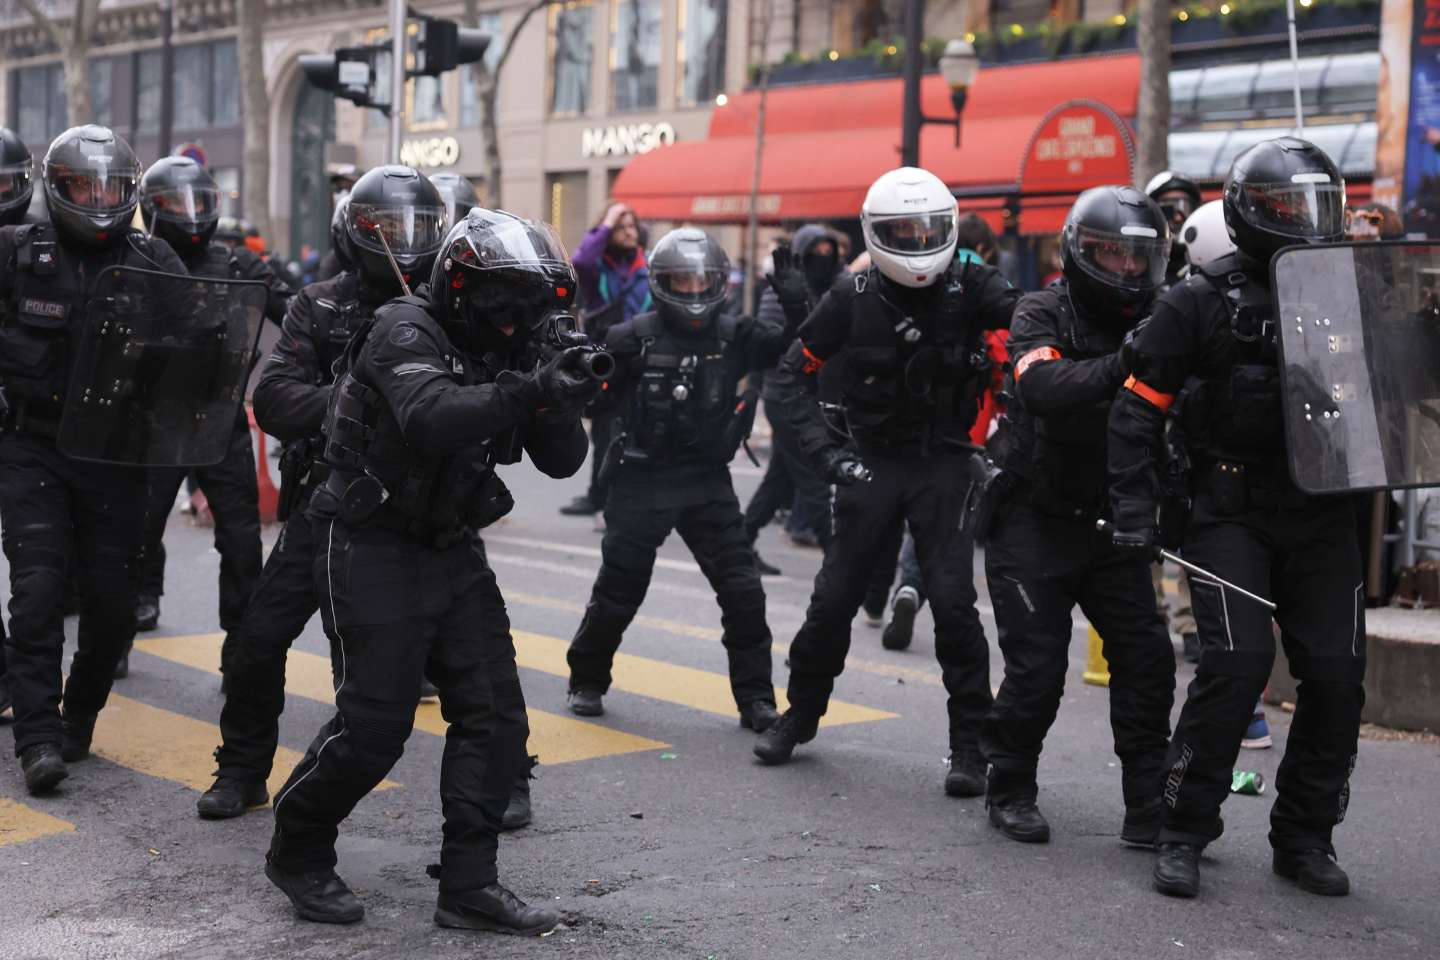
(647, 328)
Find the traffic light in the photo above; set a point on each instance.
(349, 73)
(444, 45)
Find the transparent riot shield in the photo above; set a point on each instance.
(160, 368)
(1359, 333)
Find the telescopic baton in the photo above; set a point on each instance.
(1105, 526)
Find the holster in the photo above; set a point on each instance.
(294, 469)
(990, 487)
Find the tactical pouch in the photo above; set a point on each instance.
(1255, 414)
(990, 487)
(294, 466)
(1227, 488)
(361, 498)
(489, 502)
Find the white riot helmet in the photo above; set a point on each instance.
(1205, 236)
(909, 222)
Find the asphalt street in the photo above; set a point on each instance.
(657, 831)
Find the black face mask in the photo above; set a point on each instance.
(820, 270)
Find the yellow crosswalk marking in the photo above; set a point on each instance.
(555, 739)
(172, 746)
(19, 823)
(930, 677)
(659, 680)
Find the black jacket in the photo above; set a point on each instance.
(904, 395)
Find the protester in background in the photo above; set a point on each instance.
(614, 287)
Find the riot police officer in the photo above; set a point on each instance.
(909, 331)
(681, 423)
(16, 188)
(1043, 555)
(1207, 362)
(458, 193)
(1178, 197)
(437, 390)
(55, 510)
(181, 205)
(290, 401)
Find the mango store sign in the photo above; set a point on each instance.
(434, 152)
(625, 140)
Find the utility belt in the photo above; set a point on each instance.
(464, 500)
(36, 419)
(1232, 486)
(360, 501)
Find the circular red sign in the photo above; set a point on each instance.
(1078, 145)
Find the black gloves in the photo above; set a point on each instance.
(788, 281)
(845, 468)
(1129, 352)
(566, 386)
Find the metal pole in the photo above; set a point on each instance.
(910, 109)
(397, 76)
(752, 226)
(167, 78)
(1295, 62)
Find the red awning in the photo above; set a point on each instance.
(824, 145)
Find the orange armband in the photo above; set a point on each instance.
(1038, 355)
(812, 362)
(1149, 394)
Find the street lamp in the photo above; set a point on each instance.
(958, 65)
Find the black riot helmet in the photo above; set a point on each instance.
(17, 177)
(229, 232)
(458, 193)
(689, 279)
(1114, 250)
(497, 278)
(1177, 195)
(92, 184)
(180, 203)
(394, 207)
(1283, 192)
(339, 238)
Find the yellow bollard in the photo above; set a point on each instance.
(1097, 671)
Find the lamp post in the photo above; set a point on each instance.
(958, 65)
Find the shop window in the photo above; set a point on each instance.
(426, 108)
(227, 179)
(147, 91)
(634, 54)
(470, 76)
(190, 87)
(701, 49)
(1004, 12)
(1349, 82)
(571, 53)
(225, 85)
(1275, 87)
(40, 97)
(1225, 91)
(101, 80)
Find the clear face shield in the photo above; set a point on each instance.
(15, 182)
(100, 192)
(410, 232)
(1133, 259)
(914, 234)
(1310, 206)
(189, 205)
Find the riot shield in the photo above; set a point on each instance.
(160, 368)
(1359, 334)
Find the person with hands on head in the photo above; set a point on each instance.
(679, 421)
(434, 392)
(614, 287)
(1207, 364)
(1073, 347)
(909, 329)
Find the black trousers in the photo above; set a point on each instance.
(396, 609)
(1040, 568)
(790, 480)
(715, 533)
(602, 429)
(887, 555)
(928, 492)
(234, 500)
(1303, 555)
(56, 511)
(283, 603)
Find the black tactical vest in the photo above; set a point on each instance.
(1237, 413)
(377, 477)
(910, 380)
(685, 407)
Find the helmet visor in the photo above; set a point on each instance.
(100, 191)
(914, 233)
(1176, 205)
(14, 183)
(1306, 207)
(512, 243)
(686, 285)
(1134, 259)
(189, 204)
(408, 231)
